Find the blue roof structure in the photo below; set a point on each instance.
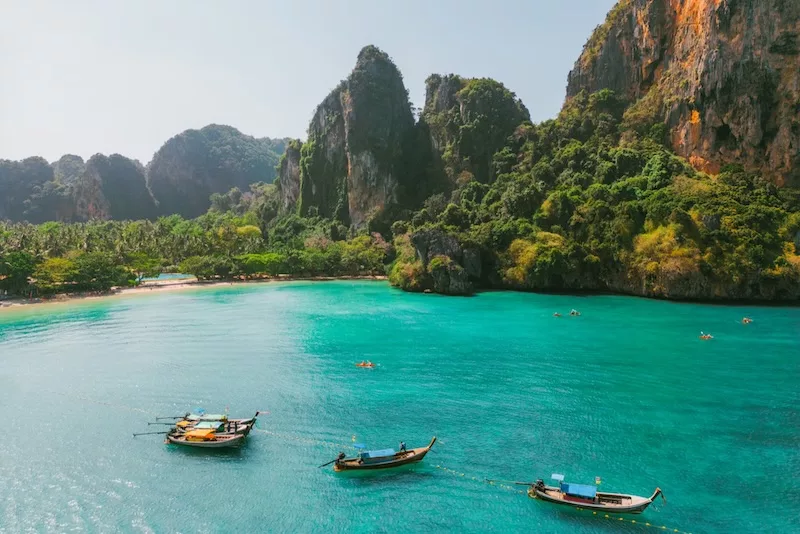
(579, 490)
(378, 454)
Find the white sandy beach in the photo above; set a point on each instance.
(149, 287)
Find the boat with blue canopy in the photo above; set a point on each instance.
(381, 458)
(586, 496)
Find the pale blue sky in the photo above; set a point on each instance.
(88, 76)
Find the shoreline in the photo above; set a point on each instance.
(168, 286)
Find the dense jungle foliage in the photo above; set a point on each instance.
(594, 200)
(591, 200)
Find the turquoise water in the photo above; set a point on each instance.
(626, 392)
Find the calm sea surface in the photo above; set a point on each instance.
(626, 392)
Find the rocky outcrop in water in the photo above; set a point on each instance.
(722, 75)
(450, 267)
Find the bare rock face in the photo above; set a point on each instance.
(722, 75)
(449, 278)
(349, 167)
(90, 201)
(429, 243)
(68, 169)
(113, 187)
(288, 180)
(442, 257)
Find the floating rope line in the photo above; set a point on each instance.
(635, 522)
(465, 476)
(594, 513)
(476, 479)
(303, 439)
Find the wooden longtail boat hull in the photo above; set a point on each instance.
(399, 459)
(236, 426)
(241, 429)
(247, 421)
(220, 442)
(610, 503)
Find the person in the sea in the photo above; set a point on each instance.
(556, 314)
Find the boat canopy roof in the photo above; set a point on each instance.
(214, 425)
(207, 417)
(579, 490)
(378, 454)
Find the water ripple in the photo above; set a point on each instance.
(510, 391)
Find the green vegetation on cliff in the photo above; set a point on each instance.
(471, 196)
(353, 165)
(574, 207)
(182, 175)
(470, 120)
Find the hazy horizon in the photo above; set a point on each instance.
(91, 77)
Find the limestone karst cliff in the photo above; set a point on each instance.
(349, 166)
(182, 176)
(113, 187)
(193, 165)
(470, 120)
(722, 75)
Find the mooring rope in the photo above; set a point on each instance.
(594, 513)
(332, 444)
(303, 439)
(476, 479)
(635, 522)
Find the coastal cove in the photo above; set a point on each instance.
(168, 283)
(626, 392)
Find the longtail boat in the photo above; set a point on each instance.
(206, 439)
(587, 497)
(381, 459)
(191, 417)
(220, 426)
